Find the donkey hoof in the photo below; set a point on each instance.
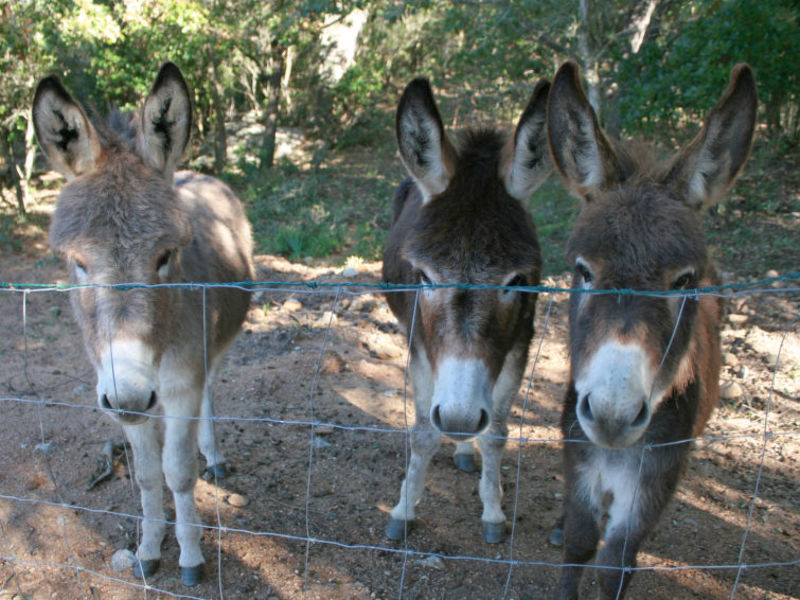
(556, 536)
(397, 528)
(465, 462)
(494, 533)
(193, 575)
(218, 471)
(145, 568)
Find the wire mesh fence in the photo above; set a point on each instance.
(314, 412)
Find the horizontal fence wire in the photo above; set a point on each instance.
(785, 284)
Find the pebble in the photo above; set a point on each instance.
(291, 305)
(743, 372)
(384, 350)
(772, 273)
(45, 448)
(349, 272)
(434, 562)
(731, 391)
(122, 560)
(319, 443)
(737, 319)
(238, 500)
(729, 359)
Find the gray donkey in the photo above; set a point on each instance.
(121, 219)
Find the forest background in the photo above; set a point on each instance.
(294, 100)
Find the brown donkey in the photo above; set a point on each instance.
(459, 219)
(644, 368)
(121, 219)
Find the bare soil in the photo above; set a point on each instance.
(317, 498)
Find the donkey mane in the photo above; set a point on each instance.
(478, 151)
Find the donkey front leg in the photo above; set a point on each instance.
(492, 443)
(180, 469)
(424, 443)
(581, 535)
(147, 468)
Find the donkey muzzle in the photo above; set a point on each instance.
(462, 398)
(126, 382)
(616, 430)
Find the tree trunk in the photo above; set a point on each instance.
(8, 155)
(588, 57)
(272, 98)
(220, 141)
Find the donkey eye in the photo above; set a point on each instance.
(80, 268)
(516, 281)
(424, 279)
(163, 260)
(584, 274)
(684, 281)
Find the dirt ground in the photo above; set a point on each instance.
(316, 500)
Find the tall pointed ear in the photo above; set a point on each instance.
(710, 164)
(166, 121)
(64, 133)
(581, 151)
(526, 161)
(424, 149)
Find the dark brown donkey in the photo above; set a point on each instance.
(459, 219)
(122, 219)
(644, 368)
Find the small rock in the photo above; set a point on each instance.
(743, 372)
(333, 363)
(45, 448)
(238, 500)
(291, 305)
(384, 350)
(349, 272)
(434, 562)
(737, 319)
(772, 358)
(122, 560)
(772, 273)
(731, 391)
(730, 359)
(327, 318)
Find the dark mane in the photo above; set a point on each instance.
(479, 150)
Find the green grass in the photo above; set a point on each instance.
(325, 212)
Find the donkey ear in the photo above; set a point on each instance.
(65, 134)
(581, 152)
(526, 161)
(710, 164)
(425, 150)
(166, 121)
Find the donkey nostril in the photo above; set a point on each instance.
(642, 417)
(105, 403)
(483, 423)
(152, 402)
(435, 418)
(585, 409)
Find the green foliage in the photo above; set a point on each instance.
(317, 213)
(680, 73)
